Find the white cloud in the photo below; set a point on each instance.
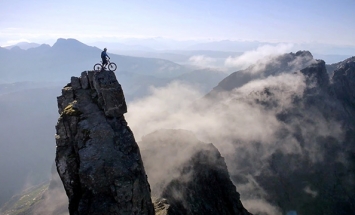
(172, 107)
(260, 206)
(202, 61)
(262, 52)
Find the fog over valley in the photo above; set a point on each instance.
(264, 109)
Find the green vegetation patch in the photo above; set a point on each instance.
(23, 202)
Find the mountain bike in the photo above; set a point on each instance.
(111, 66)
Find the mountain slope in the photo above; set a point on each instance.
(303, 160)
(23, 45)
(26, 138)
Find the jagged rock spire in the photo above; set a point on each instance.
(97, 157)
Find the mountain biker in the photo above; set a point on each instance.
(103, 57)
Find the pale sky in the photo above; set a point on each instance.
(295, 21)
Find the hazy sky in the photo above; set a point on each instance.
(323, 21)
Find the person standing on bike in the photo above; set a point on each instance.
(103, 57)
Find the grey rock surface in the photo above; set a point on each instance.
(191, 177)
(97, 157)
(343, 81)
(317, 73)
(204, 187)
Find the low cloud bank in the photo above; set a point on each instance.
(244, 124)
(202, 61)
(263, 53)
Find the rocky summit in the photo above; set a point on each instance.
(97, 157)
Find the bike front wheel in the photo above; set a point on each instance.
(112, 67)
(97, 67)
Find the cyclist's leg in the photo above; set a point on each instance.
(104, 62)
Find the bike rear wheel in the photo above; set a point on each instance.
(112, 67)
(97, 67)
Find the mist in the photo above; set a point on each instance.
(264, 52)
(258, 122)
(26, 138)
(244, 124)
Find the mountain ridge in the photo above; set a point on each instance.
(316, 116)
(70, 53)
(305, 115)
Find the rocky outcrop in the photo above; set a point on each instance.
(190, 176)
(204, 187)
(97, 157)
(102, 171)
(317, 73)
(343, 81)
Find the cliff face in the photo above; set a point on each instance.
(343, 82)
(97, 157)
(329, 180)
(317, 73)
(309, 166)
(102, 171)
(204, 187)
(191, 176)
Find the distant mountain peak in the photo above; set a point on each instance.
(16, 48)
(68, 39)
(23, 45)
(72, 43)
(303, 53)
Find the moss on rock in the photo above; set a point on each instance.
(70, 110)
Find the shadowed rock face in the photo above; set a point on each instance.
(97, 157)
(316, 177)
(317, 73)
(198, 180)
(204, 187)
(344, 81)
